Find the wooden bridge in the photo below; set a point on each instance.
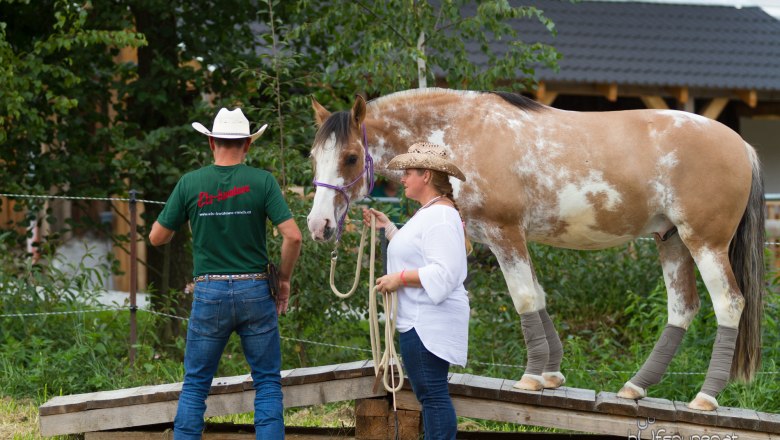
(121, 413)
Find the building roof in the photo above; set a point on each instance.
(654, 44)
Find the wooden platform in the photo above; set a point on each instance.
(474, 396)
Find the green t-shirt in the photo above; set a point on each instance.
(227, 208)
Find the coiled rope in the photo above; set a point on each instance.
(388, 360)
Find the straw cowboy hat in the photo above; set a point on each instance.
(230, 124)
(426, 155)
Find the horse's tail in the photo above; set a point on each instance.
(746, 254)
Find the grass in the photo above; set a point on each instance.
(19, 421)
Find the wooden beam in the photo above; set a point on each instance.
(543, 95)
(714, 108)
(654, 102)
(102, 419)
(610, 91)
(680, 94)
(749, 97)
(581, 421)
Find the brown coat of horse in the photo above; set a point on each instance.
(578, 180)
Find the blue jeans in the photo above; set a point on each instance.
(218, 309)
(428, 375)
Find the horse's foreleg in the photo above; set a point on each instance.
(682, 305)
(728, 303)
(528, 301)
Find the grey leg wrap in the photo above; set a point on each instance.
(720, 364)
(553, 342)
(535, 342)
(655, 366)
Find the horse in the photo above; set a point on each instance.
(577, 180)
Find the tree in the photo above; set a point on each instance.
(107, 127)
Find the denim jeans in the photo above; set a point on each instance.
(218, 309)
(428, 375)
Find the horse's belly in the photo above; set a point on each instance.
(583, 238)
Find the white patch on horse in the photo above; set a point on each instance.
(681, 118)
(520, 281)
(679, 314)
(323, 209)
(727, 311)
(663, 192)
(436, 137)
(576, 209)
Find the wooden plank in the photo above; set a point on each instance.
(656, 409)
(482, 387)
(580, 399)
(301, 376)
(738, 418)
(230, 384)
(457, 383)
(101, 419)
(509, 393)
(769, 422)
(406, 400)
(686, 414)
(109, 399)
(595, 423)
(554, 397)
(610, 403)
(354, 369)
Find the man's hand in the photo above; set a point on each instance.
(283, 298)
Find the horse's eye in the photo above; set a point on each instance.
(352, 159)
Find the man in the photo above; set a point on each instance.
(227, 205)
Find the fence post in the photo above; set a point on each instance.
(133, 275)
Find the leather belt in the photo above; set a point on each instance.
(236, 277)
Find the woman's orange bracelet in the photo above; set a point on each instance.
(403, 280)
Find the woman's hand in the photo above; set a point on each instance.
(381, 219)
(389, 283)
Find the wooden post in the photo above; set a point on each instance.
(375, 420)
(133, 275)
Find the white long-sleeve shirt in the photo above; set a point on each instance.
(433, 243)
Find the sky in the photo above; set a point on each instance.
(772, 7)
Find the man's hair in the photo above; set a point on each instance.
(229, 143)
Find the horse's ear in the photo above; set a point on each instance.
(320, 113)
(359, 110)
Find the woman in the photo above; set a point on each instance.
(426, 263)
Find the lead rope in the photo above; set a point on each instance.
(388, 360)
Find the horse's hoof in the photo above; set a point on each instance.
(631, 391)
(704, 402)
(530, 382)
(553, 380)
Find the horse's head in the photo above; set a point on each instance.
(343, 169)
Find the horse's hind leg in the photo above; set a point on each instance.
(682, 305)
(728, 303)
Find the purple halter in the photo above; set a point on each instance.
(368, 170)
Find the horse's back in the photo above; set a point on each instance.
(591, 180)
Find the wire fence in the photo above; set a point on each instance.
(133, 307)
(358, 349)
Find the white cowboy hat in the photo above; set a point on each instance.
(230, 124)
(427, 156)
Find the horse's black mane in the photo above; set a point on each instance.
(338, 124)
(520, 101)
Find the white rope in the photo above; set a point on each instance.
(334, 257)
(387, 361)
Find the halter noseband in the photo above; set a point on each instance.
(368, 170)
